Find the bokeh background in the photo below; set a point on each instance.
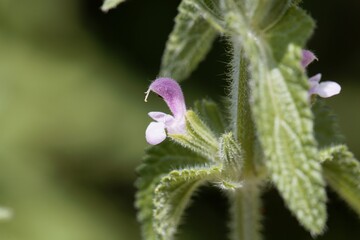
(72, 116)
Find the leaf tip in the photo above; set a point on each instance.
(110, 4)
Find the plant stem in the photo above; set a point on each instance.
(245, 201)
(242, 123)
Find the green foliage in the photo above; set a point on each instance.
(211, 115)
(239, 92)
(171, 173)
(289, 144)
(341, 169)
(230, 154)
(110, 4)
(327, 132)
(63, 122)
(267, 13)
(270, 118)
(281, 35)
(282, 113)
(188, 43)
(342, 172)
(173, 193)
(159, 161)
(242, 123)
(199, 138)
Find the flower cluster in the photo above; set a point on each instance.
(170, 91)
(323, 89)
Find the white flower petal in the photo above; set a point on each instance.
(157, 116)
(161, 117)
(328, 89)
(155, 133)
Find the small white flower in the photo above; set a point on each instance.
(323, 89)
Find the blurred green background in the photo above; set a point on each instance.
(72, 116)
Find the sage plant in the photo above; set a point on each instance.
(276, 131)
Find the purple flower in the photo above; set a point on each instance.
(307, 58)
(170, 91)
(323, 89)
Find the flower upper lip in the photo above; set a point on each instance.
(307, 58)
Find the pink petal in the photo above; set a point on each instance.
(328, 89)
(155, 133)
(307, 58)
(171, 92)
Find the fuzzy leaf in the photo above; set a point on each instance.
(295, 27)
(199, 137)
(263, 13)
(327, 130)
(230, 154)
(211, 114)
(341, 169)
(268, 13)
(342, 172)
(282, 112)
(110, 4)
(159, 161)
(173, 196)
(285, 124)
(188, 43)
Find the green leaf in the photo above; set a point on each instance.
(282, 112)
(159, 161)
(341, 169)
(285, 124)
(342, 172)
(295, 27)
(231, 156)
(188, 43)
(263, 14)
(211, 114)
(173, 196)
(110, 4)
(327, 131)
(268, 13)
(198, 137)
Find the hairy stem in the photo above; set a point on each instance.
(245, 221)
(245, 202)
(242, 123)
